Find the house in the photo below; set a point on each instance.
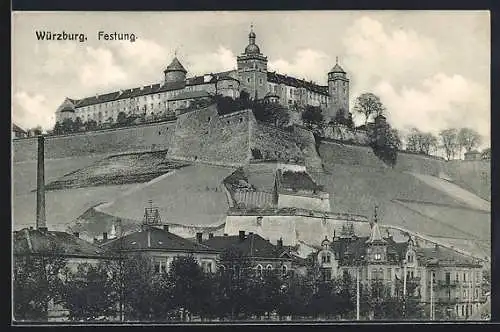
(472, 155)
(448, 284)
(262, 254)
(18, 132)
(162, 247)
(54, 247)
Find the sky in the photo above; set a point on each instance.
(431, 69)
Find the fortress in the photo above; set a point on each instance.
(176, 90)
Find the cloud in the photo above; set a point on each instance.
(307, 63)
(221, 60)
(100, 70)
(405, 69)
(437, 103)
(32, 110)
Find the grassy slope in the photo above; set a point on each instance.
(357, 182)
(191, 195)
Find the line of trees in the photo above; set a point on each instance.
(132, 289)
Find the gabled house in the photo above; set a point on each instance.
(161, 247)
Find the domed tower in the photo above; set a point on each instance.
(338, 89)
(252, 69)
(175, 72)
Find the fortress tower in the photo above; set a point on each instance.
(252, 69)
(175, 72)
(338, 89)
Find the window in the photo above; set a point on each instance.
(260, 81)
(269, 267)
(378, 256)
(410, 258)
(465, 277)
(434, 277)
(456, 277)
(259, 270)
(328, 258)
(447, 278)
(284, 270)
(248, 80)
(465, 294)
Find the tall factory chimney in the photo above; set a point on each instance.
(41, 223)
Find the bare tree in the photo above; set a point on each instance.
(420, 142)
(468, 138)
(369, 105)
(449, 139)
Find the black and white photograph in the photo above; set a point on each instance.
(216, 167)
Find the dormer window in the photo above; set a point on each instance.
(410, 258)
(378, 257)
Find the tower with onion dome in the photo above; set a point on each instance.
(252, 69)
(338, 89)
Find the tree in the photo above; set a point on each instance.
(384, 141)
(468, 139)
(449, 140)
(67, 126)
(421, 142)
(369, 105)
(190, 292)
(90, 293)
(312, 117)
(232, 283)
(57, 129)
(121, 119)
(36, 284)
(271, 113)
(91, 125)
(36, 130)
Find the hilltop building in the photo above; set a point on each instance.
(251, 76)
(448, 283)
(18, 132)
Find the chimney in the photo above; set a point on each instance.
(210, 235)
(165, 228)
(40, 187)
(242, 236)
(199, 237)
(105, 236)
(280, 243)
(76, 234)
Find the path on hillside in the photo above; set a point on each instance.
(455, 191)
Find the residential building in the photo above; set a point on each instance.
(18, 132)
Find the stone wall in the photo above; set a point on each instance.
(292, 228)
(271, 143)
(319, 203)
(146, 137)
(204, 136)
(345, 134)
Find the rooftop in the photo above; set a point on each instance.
(295, 82)
(252, 245)
(36, 242)
(153, 238)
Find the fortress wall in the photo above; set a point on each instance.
(202, 135)
(146, 137)
(420, 164)
(274, 144)
(343, 133)
(303, 202)
(473, 175)
(291, 229)
(307, 143)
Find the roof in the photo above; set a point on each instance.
(297, 181)
(444, 257)
(473, 152)
(337, 69)
(153, 238)
(37, 242)
(292, 81)
(17, 129)
(375, 236)
(175, 65)
(191, 95)
(253, 245)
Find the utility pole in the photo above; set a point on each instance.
(357, 293)
(432, 296)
